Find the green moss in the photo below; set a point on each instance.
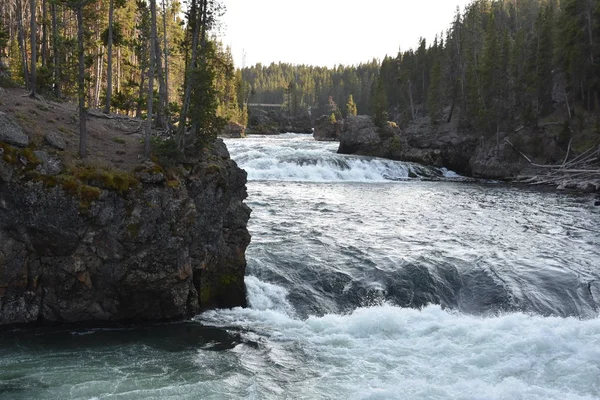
(9, 153)
(205, 295)
(173, 184)
(134, 230)
(229, 280)
(395, 145)
(119, 140)
(213, 169)
(111, 179)
(89, 193)
(30, 156)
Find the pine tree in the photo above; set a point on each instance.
(351, 106)
(380, 105)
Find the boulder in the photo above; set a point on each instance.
(74, 251)
(11, 132)
(361, 136)
(55, 140)
(48, 165)
(326, 130)
(296, 124)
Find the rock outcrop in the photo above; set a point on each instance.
(327, 130)
(446, 145)
(361, 136)
(11, 132)
(102, 245)
(234, 130)
(276, 121)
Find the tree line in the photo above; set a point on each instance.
(145, 59)
(503, 64)
(500, 65)
(302, 87)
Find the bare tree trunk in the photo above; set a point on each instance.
(567, 101)
(81, 84)
(99, 72)
(44, 34)
(188, 72)
(119, 64)
(22, 44)
(412, 107)
(166, 55)
(111, 11)
(160, 111)
(151, 65)
(33, 27)
(55, 52)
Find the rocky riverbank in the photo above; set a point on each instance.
(119, 241)
(276, 121)
(528, 155)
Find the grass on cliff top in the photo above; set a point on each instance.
(111, 143)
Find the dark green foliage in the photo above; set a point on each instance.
(204, 122)
(165, 151)
(300, 87)
(380, 105)
(118, 37)
(503, 64)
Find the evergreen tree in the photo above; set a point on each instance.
(351, 106)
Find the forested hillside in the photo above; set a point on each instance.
(300, 87)
(115, 54)
(500, 64)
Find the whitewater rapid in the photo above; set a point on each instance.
(367, 279)
(264, 158)
(387, 352)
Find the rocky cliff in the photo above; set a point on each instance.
(276, 121)
(447, 145)
(83, 243)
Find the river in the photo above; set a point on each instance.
(367, 279)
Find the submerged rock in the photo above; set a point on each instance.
(114, 248)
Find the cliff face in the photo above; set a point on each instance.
(446, 145)
(119, 247)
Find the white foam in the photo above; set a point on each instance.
(389, 352)
(296, 158)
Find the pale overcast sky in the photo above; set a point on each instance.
(330, 32)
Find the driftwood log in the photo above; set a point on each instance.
(581, 172)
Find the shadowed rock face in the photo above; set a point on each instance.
(327, 131)
(443, 145)
(160, 251)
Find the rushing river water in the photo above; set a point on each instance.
(367, 279)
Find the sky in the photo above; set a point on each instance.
(330, 32)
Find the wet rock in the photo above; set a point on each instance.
(11, 132)
(55, 140)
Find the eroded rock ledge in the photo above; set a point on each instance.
(118, 247)
(447, 145)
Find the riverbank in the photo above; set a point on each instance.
(533, 155)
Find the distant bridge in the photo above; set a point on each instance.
(264, 105)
